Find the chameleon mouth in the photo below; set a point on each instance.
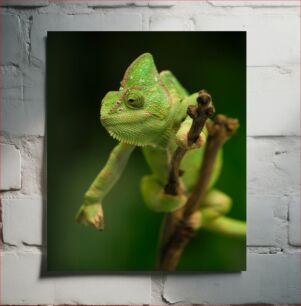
(128, 138)
(131, 128)
(124, 119)
(128, 129)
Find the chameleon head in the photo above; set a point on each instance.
(139, 113)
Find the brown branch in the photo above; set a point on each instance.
(219, 132)
(199, 114)
(173, 185)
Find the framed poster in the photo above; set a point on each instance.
(107, 88)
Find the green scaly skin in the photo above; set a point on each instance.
(149, 111)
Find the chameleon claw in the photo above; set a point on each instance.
(182, 139)
(91, 214)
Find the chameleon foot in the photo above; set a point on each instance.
(91, 214)
(155, 197)
(215, 204)
(195, 220)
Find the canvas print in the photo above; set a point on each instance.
(146, 138)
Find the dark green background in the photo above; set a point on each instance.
(81, 68)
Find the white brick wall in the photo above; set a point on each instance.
(294, 220)
(264, 228)
(10, 167)
(22, 3)
(170, 23)
(269, 279)
(270, 87)
(273, 43)
(13, 46)
(23, 285)
(22, 221)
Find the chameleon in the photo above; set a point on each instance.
(150, 111)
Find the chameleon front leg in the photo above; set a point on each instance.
(91, 211)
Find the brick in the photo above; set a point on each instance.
(122, 22)
(11, 83)
(250, 3)
(22, 284)
(34, 101)
(23, 104)
(264, 229)
(161, 3)
(12, 100)
(10, 167)
(24, 3)
(88, 22)
(108, 3)
(269, 33)
(294, 220)
(22, 221)
(34, 167)
(280, 91)
(125, 3)
(13, 115)
(23, 118)
(12, 45)
(273, 165)
(79, 7)
(268, 279)
(118, 3)
(286, 158)
(261, 222)
(170, 23)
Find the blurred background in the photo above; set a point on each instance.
(81, 68)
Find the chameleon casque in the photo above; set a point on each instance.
(150, 111)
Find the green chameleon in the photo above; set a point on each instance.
(150, 111)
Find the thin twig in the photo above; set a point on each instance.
(173, 185)
(219, 132)
(199, 114)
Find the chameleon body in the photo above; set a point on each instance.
(150, 111)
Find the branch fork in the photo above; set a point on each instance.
(199, 114)
(179, 226)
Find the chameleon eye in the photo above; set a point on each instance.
(134, 99)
